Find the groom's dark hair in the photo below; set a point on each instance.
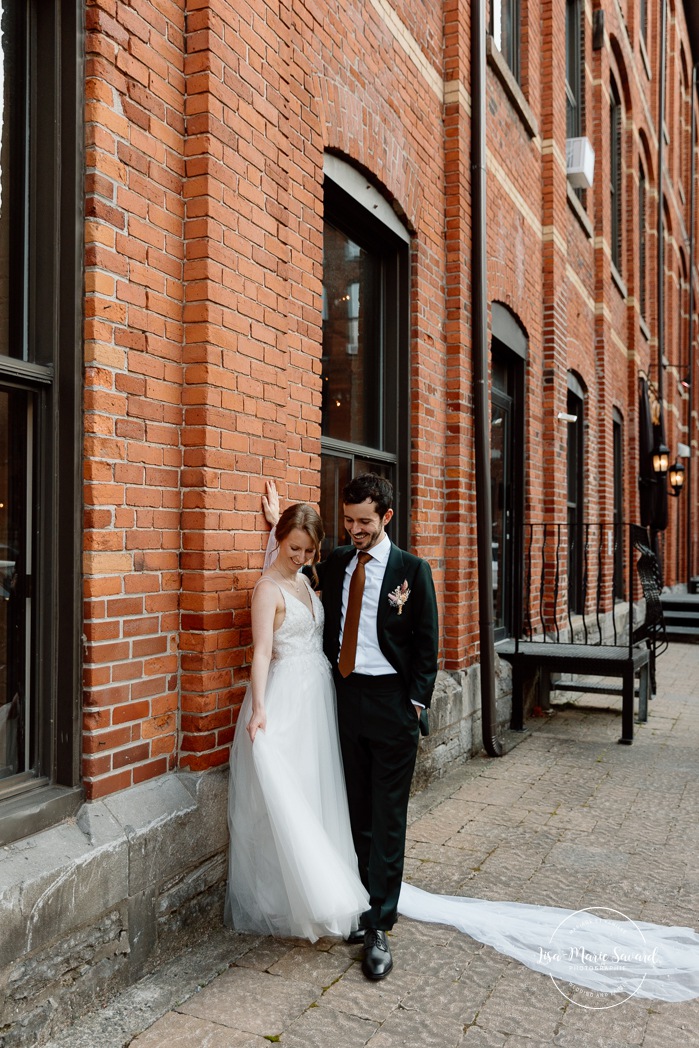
(369, 486)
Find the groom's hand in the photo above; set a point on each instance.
(270, 503)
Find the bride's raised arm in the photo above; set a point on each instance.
(270, 508)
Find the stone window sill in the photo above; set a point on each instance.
(579, 212)
(619, 281)
(644, 56)
(36, 810)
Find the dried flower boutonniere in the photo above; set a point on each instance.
(398, 597)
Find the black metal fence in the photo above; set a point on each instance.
(581, 583)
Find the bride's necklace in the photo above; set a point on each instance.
(290, 580)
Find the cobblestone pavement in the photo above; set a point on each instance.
(567, 818)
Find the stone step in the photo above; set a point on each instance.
(682, 633)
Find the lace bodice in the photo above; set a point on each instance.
(300, 634)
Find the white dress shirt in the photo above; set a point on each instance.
(370, 659)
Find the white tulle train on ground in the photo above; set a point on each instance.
(581, 947)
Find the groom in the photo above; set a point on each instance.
(381, 638)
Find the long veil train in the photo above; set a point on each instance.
(581, 947)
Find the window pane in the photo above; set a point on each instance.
(352, 343)
(505, 23)
(615, 125)
(336, 470)
(642, 240)
(12, 209)
(14, 595)
(573, 70)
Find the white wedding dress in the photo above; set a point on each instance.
(292, 867)
(293, 870)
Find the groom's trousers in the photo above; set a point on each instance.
(379, 736)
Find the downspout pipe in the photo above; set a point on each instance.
(481, 405)
(690, 363)
(660, 247)
(661, 218)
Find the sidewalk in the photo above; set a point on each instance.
(567, 818)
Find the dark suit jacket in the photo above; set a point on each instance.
(410, 641)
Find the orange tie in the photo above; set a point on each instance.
(348, 652)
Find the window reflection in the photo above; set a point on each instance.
(337, 471)
(352, 344)
(13, 589)
(504, 26)
(12, 166)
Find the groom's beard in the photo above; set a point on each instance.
(367, 542)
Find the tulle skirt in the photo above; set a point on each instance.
(292, 867)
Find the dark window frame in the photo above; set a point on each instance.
(642, 242)
(618, 503)
(575, 494)
(575, 59)
(643, 20)
(391, 456)
(49, 369)
(511, 403)
(616, 121)
(509, 31)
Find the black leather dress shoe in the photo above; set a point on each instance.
(356, 938)
(377, 961)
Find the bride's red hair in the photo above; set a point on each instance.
(304, 517)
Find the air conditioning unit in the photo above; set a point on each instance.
(580, 162)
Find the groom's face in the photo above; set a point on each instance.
(364, 525)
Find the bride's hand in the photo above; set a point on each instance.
(258, 721)
(270, 503)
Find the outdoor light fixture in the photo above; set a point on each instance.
(661, 459)
(676, 478)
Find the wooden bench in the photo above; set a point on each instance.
(532, 657)
(631, 661)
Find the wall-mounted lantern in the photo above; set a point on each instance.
(661, 459)
(676, 478)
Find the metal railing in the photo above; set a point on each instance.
(579, 583)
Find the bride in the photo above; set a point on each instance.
(292, 866)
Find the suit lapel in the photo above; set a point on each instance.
(393, 576)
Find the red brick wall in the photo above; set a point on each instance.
(206, 123)
(133, 389)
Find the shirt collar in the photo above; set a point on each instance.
(381, 551)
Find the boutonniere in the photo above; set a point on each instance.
(398, 597)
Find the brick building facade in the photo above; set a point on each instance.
(236, 244)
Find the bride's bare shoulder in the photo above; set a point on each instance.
(271, 593)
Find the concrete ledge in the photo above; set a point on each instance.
(455, 722)
(87, 905)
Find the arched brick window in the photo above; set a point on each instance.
(365, 420)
